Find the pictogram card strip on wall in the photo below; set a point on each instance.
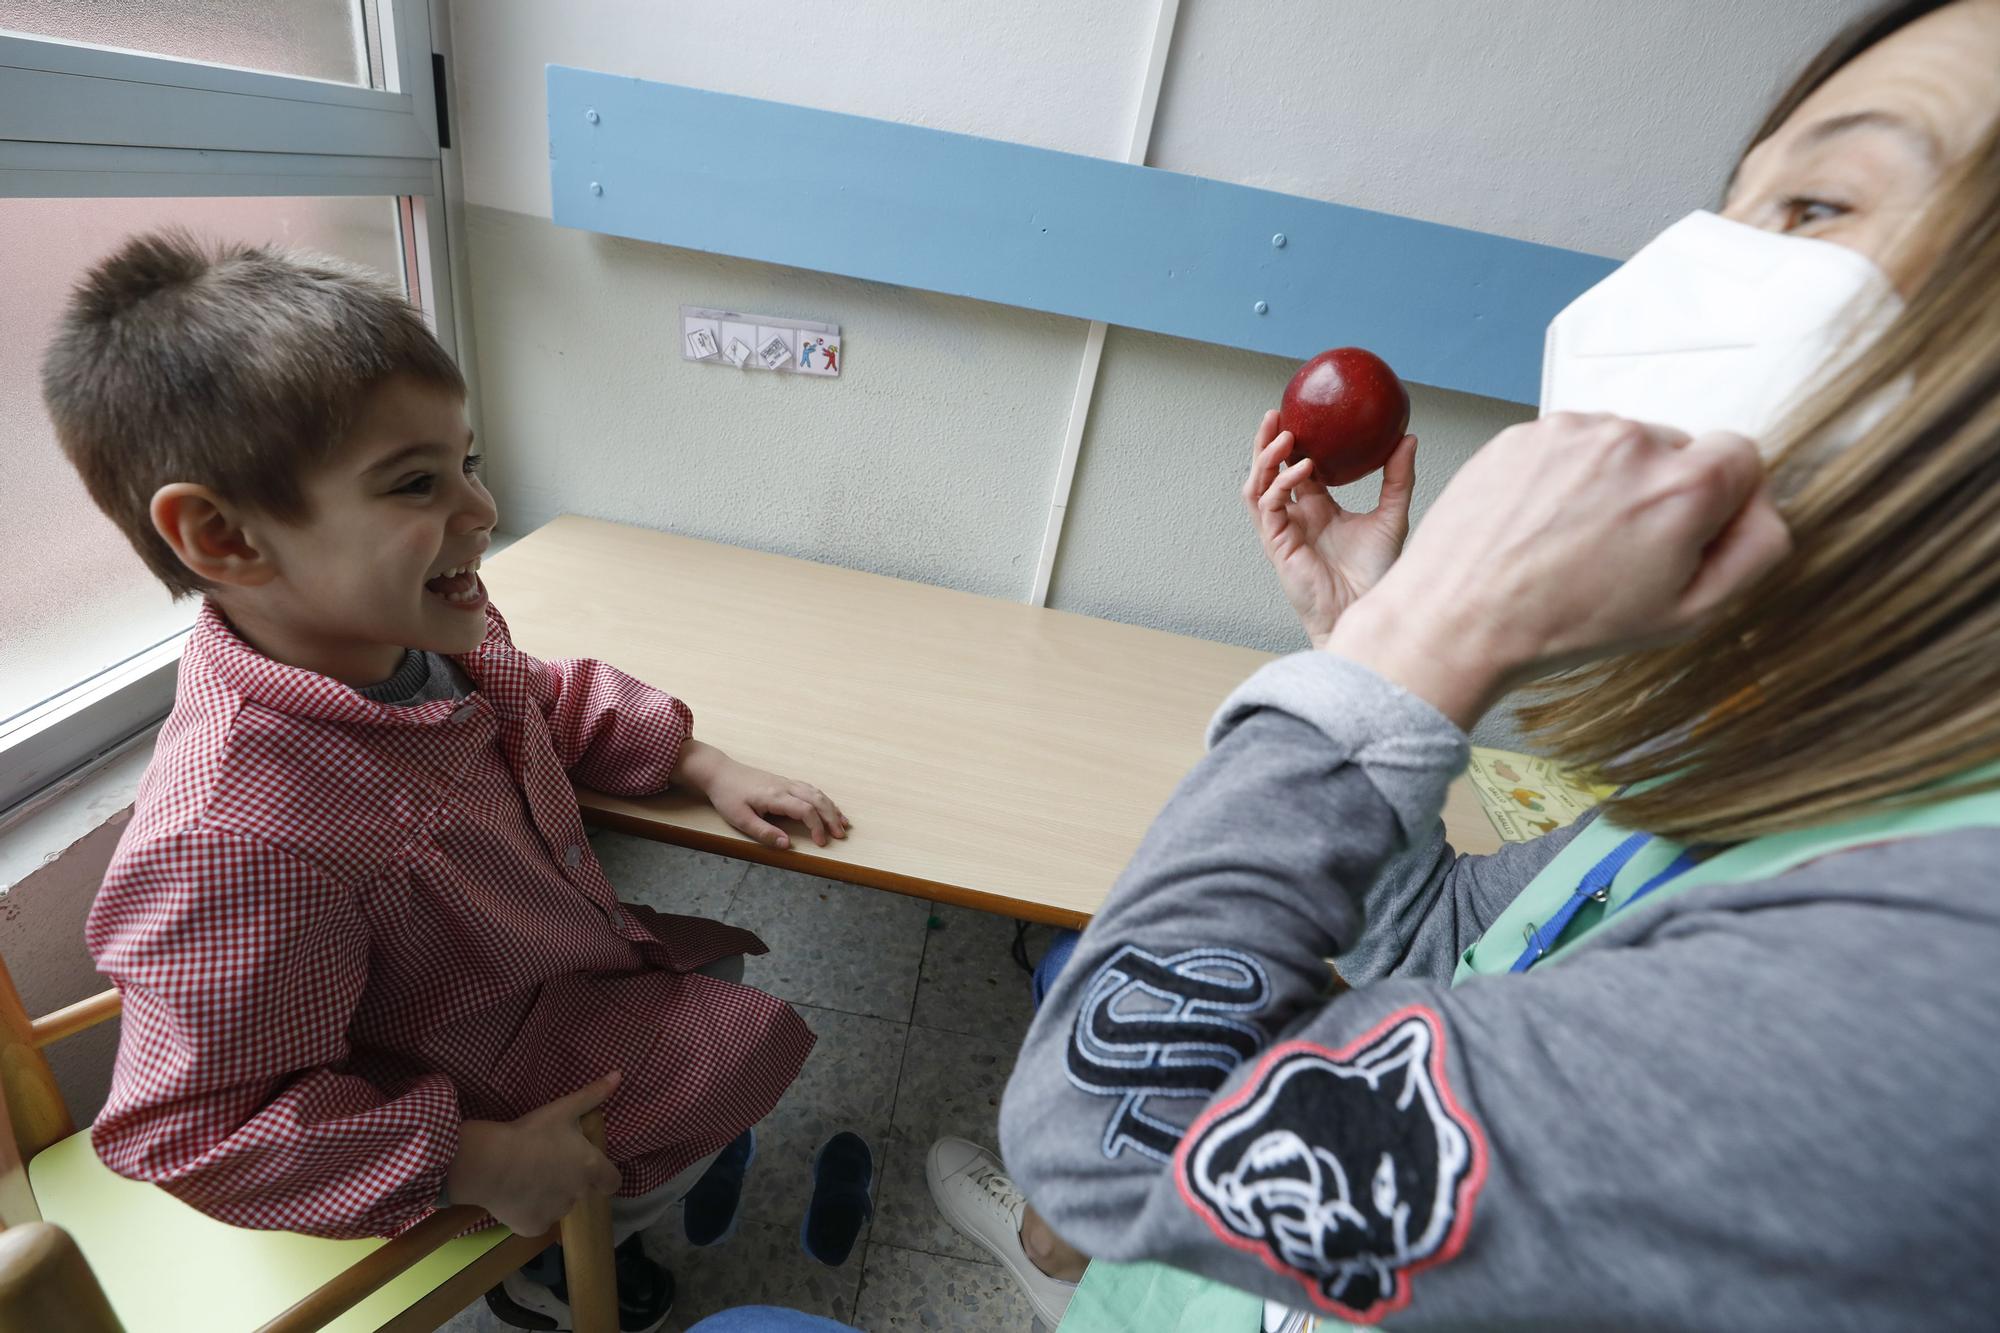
(760, 342)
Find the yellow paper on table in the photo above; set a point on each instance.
(1526, 796)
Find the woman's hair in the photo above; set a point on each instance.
(1868, 664)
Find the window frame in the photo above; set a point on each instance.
(90, 122)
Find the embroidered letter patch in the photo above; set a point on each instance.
(1163, 1027)
(1347, 1169)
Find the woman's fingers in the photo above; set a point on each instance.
(1260, 444)
(1750, 545)
(1267, 430)
(1571, 536)
(1280, 490)
(1265, 463)
(1733, 470)
(1399, 483)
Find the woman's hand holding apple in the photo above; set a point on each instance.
(1326, 556)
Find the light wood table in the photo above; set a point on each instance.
(989, 753)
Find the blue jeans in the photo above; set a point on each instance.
(1054, 961)
(768, 1319)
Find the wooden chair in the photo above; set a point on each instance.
(166, 1268)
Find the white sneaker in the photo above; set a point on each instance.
(977, 1197)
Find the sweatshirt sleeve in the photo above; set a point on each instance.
(612, 733)
(1429, 904)
(239, 966)
(1729, 1094)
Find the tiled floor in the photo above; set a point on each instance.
(917, 1024)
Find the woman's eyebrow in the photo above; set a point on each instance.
(1834, 126)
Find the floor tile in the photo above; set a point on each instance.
(666, 878)
(951, 1084)
(907, 1289)
(970, 982)
(761, 1264)
(833, 946)
(475, 1318)
(849, 1082)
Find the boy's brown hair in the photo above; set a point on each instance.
(237, 367)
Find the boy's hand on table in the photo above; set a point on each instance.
(744, 795)
(529, 1173)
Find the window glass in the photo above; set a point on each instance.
(337, 40)
(76, 599)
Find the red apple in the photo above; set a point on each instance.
(1346, 411)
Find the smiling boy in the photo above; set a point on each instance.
(367, 958)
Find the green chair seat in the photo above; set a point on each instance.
(169, 1269)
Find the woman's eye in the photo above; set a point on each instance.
(472, 462)
(1803, 211)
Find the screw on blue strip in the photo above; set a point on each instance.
(1132, 246)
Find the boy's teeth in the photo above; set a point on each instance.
(461, 570)
(460, 585)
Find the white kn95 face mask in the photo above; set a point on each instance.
(1717, 325)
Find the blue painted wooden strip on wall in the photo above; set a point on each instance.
(1082, 236)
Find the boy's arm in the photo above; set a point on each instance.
(618, 735)
(240, 966)
(612, 733)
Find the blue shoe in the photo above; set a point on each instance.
(710, 1209)
(843, 1199)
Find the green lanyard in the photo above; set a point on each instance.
(1657, 869)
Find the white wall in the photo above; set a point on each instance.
(1580, 123)
(1588, 124)
(45, 896)
(1053, 73)
(1583, 123)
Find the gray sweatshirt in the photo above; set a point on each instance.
(1767, 1105)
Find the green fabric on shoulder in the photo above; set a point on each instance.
(1120, 1298)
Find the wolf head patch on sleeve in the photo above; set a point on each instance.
(1348, 1170)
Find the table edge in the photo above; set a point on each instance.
(746, 849)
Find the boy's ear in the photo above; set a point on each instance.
(207, 535)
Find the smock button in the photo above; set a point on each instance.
(572, 856)
(463, 711)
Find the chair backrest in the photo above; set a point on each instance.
(47, 1287)
(32, 1112)
(45, 1284)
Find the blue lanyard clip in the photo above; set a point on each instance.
(1595, 887)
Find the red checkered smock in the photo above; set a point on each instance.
(342, 927)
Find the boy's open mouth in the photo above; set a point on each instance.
(458, 586)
